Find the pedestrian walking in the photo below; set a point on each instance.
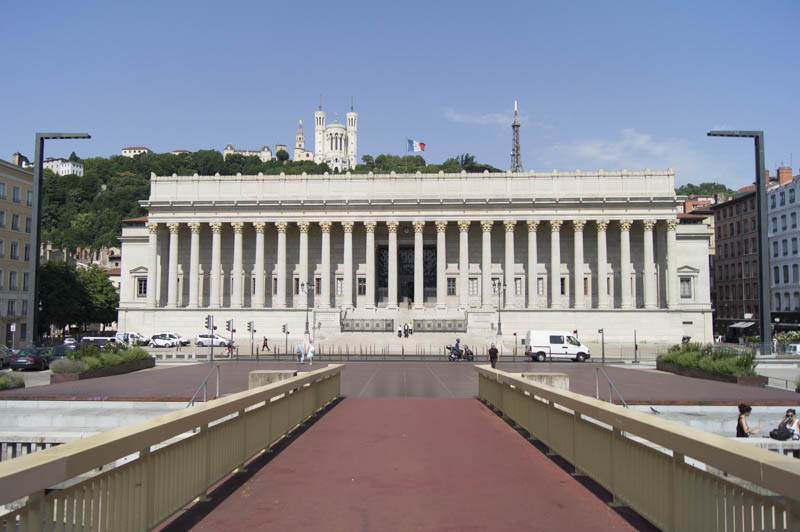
(310, 352)
(300, 352)
(493, 356)
(399, 331)
(405, 330)
(265, 345)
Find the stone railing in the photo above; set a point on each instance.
(168, 460)
(660, 469)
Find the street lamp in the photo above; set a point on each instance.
(763, 248)
(36, 214)
(305, 288)
(499, 287)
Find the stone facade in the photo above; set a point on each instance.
(574, 250)
(336, 143)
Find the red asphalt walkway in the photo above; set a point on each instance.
(410, 464)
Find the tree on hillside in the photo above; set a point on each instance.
(73, 157)
(703, 188)
(282, 155)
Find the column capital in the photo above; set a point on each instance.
(173, 227)
(510, 225)
(237, 227)
(441, 226)
(259, 226)
(625, 225)
(486, 225)
(152, 227)
(648, 224)
(281, 226)
(348, 226)
(555, 225)
(419, 226)
(533, 225)
(194, 227)
(602, 225)
(578, 225)
(672, 224)
(303, 226)
(216, 227)
(392, 226)
(325, 227)
(463, 225)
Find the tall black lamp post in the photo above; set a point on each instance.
(305, 288)
(36, 213)
(763, 228)
(499, 287)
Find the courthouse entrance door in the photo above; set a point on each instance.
(405, 273)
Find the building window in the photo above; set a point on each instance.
(739, 271)
(747, 269)
(15, 197)
(774, 224)
(12, 307)
(791, 195)
(794, 245)
(2, 248)
(747, 291)
(451, 286)
(795, 278)
(473, 286)
(776, 275)
(2, 218)
(727, 272)
(15, 222)
(297, 287)
(274, 286)
(772, 204)
(14, 251)
(793, 218)
(24, 308)
(746, 246)
(783, 198)
(2, 191)
(785, 247)
(339, 286)
(686, 287)
(775, 249)
(362, 286)
(141, 287)
(25, 281)
(563, 286)
(318, 286)
(27, 253)
(29, 198)
(540, 286)
(518, 286)
(785, 274)
(28, 224)
(738, 227)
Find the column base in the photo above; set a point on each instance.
(419, 306)
(392, 306)
(369, 307)
(441, 306)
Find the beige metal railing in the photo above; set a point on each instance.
(642, 460)
(172, 459)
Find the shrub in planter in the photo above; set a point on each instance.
(86, 351)
(110, 359)
(67, 365)
(92, 362)
(9, 382)
(725, 361)
(134, 353)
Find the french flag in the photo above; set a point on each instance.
(415, 146)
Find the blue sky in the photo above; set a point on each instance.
(620, 84)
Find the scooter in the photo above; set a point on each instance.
(460, 354)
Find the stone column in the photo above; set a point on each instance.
(172, 280)
(152, 270)
(216, 263)
(279, 299)
(325, 289)
(602, 264)
(194, 268)
(486, 262)
(672, 265)
(555, 263)
(580, 297)
(510, 293)
(441, 265)
(303, 227)
(419, 279)
(533, 282)
(236, 293)
(463, 262)
(348, 264)
(392, 280)
(369, 227)
(259, 300)
(625, 262)
(649, 282)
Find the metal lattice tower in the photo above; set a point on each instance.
(516, 152)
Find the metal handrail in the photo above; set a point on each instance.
(204, 386)
(611, 387)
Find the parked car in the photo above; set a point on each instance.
(131, 338)
(99, 341)
(162, 340)
(62, 351)
(69, 340)
(5, 356)
(202, 340)
(179, 340)
(31, 357)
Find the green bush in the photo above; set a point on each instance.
(133, 353)
(110, 359)
(9, 382)
(68, 365)
(92, 362)
(723, 360)
(689, 359)
(85, 351)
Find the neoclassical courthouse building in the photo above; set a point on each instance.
(568, 250)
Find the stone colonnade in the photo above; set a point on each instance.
(535, 299)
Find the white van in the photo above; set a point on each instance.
(555, 344)
(130, 338)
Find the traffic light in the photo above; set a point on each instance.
(229, 325)
(283, 328)
(208, 321)
(250, 326)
